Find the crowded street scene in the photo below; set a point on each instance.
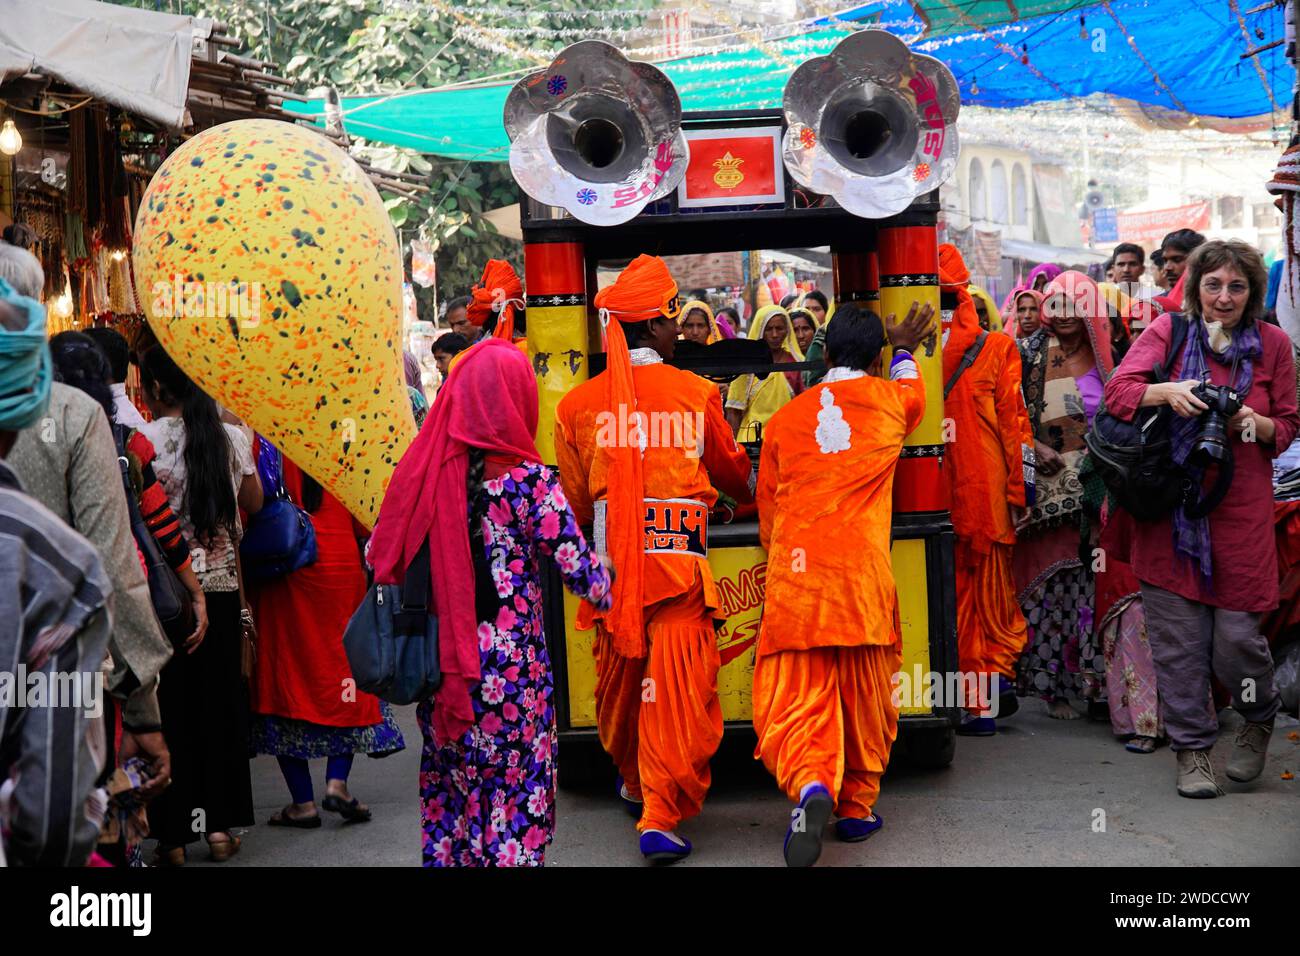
(657, 434)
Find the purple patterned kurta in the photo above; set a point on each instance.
(488, 799)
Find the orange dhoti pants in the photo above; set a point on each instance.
(659, 716)
(826, 715)
(991, 629)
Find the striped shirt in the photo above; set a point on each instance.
(55, 602)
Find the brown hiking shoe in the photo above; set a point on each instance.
(1196, 775)
(1249, 750)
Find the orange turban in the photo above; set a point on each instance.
(498, 291)
(965, 324)
(642, 291)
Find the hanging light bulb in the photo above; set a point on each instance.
(63, 305)
(974, 88)
(1083, 28)
(10, 139)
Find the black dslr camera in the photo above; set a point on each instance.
(1211, 445)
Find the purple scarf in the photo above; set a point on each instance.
(1192, 535)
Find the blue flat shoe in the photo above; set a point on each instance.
(1008, 702)
(633, 807)
(658, 847)
(804, 845)
(853, 830)
(972, 726)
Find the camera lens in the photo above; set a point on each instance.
(1212, 443)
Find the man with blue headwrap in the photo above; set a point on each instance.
(54, 624)
(66, 459)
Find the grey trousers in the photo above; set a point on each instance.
(1189, 641)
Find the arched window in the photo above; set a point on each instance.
(998, 193)
(1019, 196)
(977, 192)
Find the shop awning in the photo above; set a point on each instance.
(1041, 252)
(1133, 49)
(138, 60)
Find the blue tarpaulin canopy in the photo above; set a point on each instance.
(1183, 56)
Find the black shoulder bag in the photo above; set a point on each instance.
(171, 599)
(967, 360)
(1135, 459)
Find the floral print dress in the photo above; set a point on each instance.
(488, 799)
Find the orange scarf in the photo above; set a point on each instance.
(498, 291)
(644, 290)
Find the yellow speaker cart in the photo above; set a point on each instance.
(887, 264)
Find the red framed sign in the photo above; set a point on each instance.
(733, 167)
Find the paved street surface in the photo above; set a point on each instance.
(1027, 796)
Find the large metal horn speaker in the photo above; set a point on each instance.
(871, 124)
(596, 133)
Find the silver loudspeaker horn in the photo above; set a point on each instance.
(871, 124)
(596, 133)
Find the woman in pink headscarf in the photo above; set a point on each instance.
(1041, 275)
(1064, 365)
(1025, 314)
(473, 487)
(1037, 281)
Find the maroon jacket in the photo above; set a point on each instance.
(1241, 528)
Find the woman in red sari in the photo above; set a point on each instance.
(304, 701)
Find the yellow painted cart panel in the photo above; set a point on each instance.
(741, 574)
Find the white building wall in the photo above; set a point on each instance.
(999, 211)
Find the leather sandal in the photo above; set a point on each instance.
(282, 818)
(351, 811)
(174, 856)
(223, 851)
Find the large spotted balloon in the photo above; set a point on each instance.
(271, 274)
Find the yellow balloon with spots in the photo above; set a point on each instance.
(270, 273)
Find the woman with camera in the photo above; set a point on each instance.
(1206, 581)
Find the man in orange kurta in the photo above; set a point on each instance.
(830, 640)
(641, 449)
(985, 455)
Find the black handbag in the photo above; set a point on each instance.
(280, 538)
(171, 599)
(1134, 459)
(392, 639)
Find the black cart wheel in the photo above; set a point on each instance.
(583, 764)
(931, 749)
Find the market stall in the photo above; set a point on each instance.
(93, 98)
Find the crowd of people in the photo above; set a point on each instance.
(1061, 594)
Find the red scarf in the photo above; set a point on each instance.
(1175, 295)
(489, 401)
